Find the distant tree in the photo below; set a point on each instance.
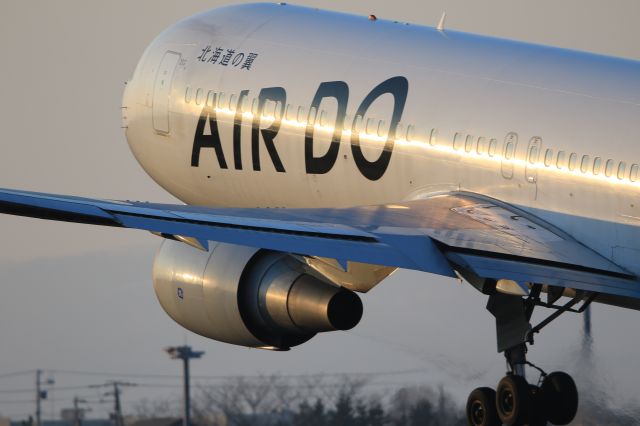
(245, 401)
(342, 401)
(323, 401)
(423, 406)
(421, 414)
(343, 413)
(370, 413)
(311, 415)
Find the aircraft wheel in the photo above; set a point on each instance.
(561, 398)
(513, 401)
(481, 408)
(538, 407)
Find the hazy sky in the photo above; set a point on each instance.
(80, 297)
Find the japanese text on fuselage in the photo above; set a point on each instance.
(227, 57)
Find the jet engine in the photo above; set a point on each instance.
(249, 297)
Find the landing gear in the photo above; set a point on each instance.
(515, 402)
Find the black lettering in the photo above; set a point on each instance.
(398, 87)
(207, 141)
(275, 94)
(340, 91)
(237, 132)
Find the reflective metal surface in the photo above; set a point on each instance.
(248, 297)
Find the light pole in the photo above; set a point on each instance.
(38, 396)
(185, 354)
(76, 410)
(117, 407)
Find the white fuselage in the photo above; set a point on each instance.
(413, 111)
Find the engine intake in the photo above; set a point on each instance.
(249, 297)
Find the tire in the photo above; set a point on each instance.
(513, 401)
(481, 408)
(561, 398)
(538, 407)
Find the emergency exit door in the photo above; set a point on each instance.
(162, 91)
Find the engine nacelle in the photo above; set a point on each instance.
(249, 297)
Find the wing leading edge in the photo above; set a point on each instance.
(439, 234)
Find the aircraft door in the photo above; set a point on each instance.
(533, 154)
(532, 157)
(162, 91)
(508, 154)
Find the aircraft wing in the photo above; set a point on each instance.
(438, 234)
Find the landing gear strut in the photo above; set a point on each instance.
(515, 402)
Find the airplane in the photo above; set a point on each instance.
(317, 152)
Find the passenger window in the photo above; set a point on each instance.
(199, 96)
(597, 165)
(573, 161)
(433, 138)
(468, 144)
(288, 113)
(508, 151)
(357, 124)
(411, 132)
(561, 158)
(533, 154)
(254, 106)
(244, 104)
(493, 147)
(371, 126)
(608, 169)
(584, 164)
(313, 112)
(323, 118)
(269, 109)
(211, 98)
(300, 117)
(457, 141)
(277, 113)
(633, 175)
(382, 130)
(482, 146)
(188, 94)
(221, 99)
(622, 167)
(399, 131)
(233, 102)
(548, 157)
